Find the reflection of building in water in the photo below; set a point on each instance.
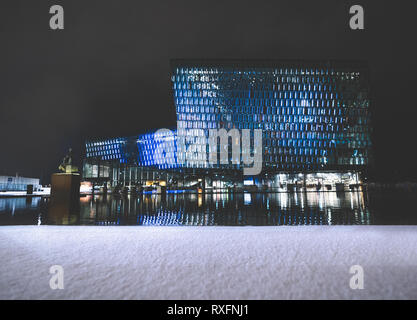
(227, 209)
(18, 203)
(21, 210)
(314, 117)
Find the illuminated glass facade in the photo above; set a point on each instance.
(314, 118)
(110, 149)
(156, 149)
(313, 115)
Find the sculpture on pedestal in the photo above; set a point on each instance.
(65, 193)
(66, 164)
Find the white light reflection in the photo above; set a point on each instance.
(247, 198)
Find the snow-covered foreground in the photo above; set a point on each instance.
(306, 262)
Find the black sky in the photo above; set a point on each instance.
(107, 73)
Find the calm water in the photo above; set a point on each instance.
(325, 208)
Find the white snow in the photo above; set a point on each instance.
(305, 262)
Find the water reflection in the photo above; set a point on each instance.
(21, 210)
(311, 208)
(227, 209)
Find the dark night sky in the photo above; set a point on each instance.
(107, 74)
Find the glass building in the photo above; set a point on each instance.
(130, 160)
(313, 116)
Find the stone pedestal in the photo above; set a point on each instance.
(65, 198)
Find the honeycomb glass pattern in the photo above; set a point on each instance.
(109, 149)
(314, 115)
(156, 149)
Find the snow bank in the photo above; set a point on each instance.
(306, 262)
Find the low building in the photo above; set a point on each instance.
(16, 183)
